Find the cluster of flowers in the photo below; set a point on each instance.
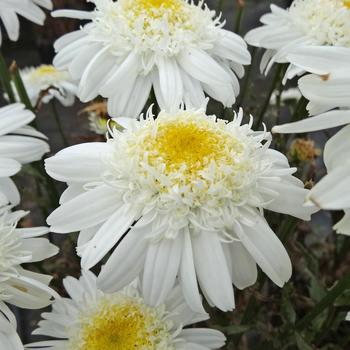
(177, 198)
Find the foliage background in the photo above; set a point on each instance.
(266, 317)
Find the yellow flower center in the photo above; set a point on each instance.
(347, 3)
(46, 69)
(147, 4)
(122, 324)
(156, 9)
(188, 145)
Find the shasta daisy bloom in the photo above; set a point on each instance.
(45, 83)
(327, 88)
(29, 9)
(19, 144)
(177, 47)
(305, 23)
(94, 319)
(18, 286)
(180, 195)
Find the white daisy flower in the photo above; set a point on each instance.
(29, 9)
(94, 319)
(181, 196)
(176, 46)
(45, 83)
(305, 23)
(327, 88)
(18, 286)
(19, 144)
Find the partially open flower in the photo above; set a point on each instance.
(45, 82)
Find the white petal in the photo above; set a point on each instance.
(203, 67)
(210, 338)
(108, 235)
(81, 163)
(86, 210)
(170, 82)
(188, 276)
(330, 192)
(161, 268)
(327, 120)
(40, 248)
(244, 270)
(267, 250)
(212, 271)
(126, 261)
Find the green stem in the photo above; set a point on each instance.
(280, 69)
(21, 90)
(247, 79)
(239, 17)
(220, 6)
(58, 123)
(300, 109)
(327, 301)
(5, 78)
(286, 228)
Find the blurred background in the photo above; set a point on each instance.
(265, 314)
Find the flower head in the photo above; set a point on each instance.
(121, 320)
(29, 9)
(45, 82)
(129, 46)
(327, 88)
(18, 246)
(182, 195)
(19, 144)
(304, 24)
(18, 286)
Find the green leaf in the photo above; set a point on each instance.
(287, 310)
(343, 300)
(316, 290)
(301, 343)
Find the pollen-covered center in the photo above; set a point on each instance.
(46, 69)
(189, 144)
(46, 74)
(185, 144)
(172, 11)
(122, 323)
(326, 21)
